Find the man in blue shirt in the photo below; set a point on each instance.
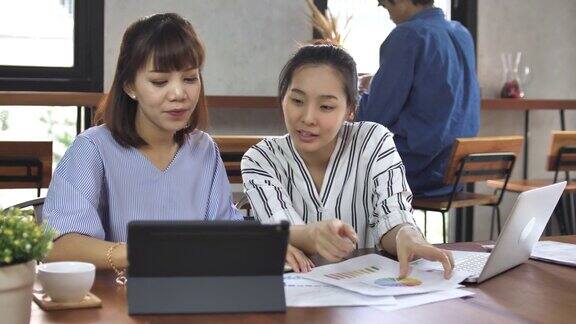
(425, 91)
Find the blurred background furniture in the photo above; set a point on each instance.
(474, 160)
(561, 158)
(232, 148)
(25, 165)
(526, 105)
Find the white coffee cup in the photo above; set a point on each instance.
(66, 281)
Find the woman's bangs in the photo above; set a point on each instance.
(175, 51)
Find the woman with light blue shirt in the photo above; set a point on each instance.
(149, 160)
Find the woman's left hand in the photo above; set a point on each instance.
(410, 245)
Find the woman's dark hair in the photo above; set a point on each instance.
(174, 45)
(323, 54)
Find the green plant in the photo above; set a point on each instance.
(21, 238)
(63, 137)
(3, 120)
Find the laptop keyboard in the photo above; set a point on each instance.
(473, 264)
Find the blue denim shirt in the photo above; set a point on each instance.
(426, 92)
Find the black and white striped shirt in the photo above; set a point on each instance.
(365, 183)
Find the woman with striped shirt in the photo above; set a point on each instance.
(149, 160)
(340, 184)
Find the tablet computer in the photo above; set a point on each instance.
(205, 267)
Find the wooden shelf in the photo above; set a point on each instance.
(242, 102)
(37, 98)
(528, 104)
(91, 99)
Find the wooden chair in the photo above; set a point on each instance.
(232, 148)
(561, 157)
(474, 160)
(25, 165)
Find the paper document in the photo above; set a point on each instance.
(421, 299)
(555, 252)
(301, 292)
(375, 275)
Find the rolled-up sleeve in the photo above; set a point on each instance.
(392, 195)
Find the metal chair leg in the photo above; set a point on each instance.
(498, 219)
(425, 224)
(555, 216)
(548, 228)
(571, 215)
(492, 222)
(561, 215)
(444, 227)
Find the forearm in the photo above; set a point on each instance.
(388, 240)
(302, 237)
(78, 247)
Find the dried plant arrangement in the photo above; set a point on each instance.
(327, 24)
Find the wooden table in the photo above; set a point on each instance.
(533, 292)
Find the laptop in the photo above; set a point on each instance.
(187, 267)
(520, 233)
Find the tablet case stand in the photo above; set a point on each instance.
(205, 267)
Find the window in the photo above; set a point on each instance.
(368, 27)
(47, 45)
(51, 45)
(24, 33)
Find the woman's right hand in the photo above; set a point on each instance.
(297, 260)
(333, 239)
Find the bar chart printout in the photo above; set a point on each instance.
(375, 275)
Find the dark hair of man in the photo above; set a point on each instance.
(323, 54)
(173, 44)
(417, 2)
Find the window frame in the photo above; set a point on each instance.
(322, 5)
(466, 13)
(87, 72)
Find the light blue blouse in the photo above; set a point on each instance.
(100, 186)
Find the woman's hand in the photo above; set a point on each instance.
(297, 260)
(410, 245)
(333, 240)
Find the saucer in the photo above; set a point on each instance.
(46, 303)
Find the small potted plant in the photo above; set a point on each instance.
(22, 243)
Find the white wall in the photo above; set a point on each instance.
(544, 31)
(247, 43)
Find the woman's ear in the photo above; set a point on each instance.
(351, 114)
(129, 90)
